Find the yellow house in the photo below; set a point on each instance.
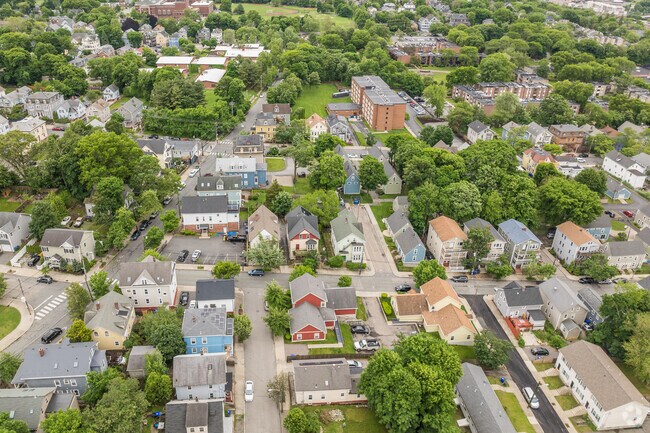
(265, 125)
(533, 157)
(111, 318)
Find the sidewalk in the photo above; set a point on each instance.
(26, 321)
(35, 273)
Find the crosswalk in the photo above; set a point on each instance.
(40, 314)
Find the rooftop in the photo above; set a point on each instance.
(199, 369)
(321, 374)
(206, 322)
(575, 233)
(447, 229)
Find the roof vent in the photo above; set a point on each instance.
(41, 352)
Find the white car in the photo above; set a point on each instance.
(195, 255)
(182, 186)
(581, 160)
(194, 172)
(248, 391)
(354, 363)
(530, 397)
(66, 220)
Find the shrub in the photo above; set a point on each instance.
(384, 295)
(388, 309)
(188, 233)
(355, 266)
(521, 342)
(345, 281)
(335, 262)
(556, 342)
(274, 151)
(310, 262)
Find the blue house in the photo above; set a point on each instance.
(352, 183)
(616, 190)
(207, 330)
(410, 247)
(253, 173)
(174, 40)
(600, 228)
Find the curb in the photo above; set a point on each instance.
(26, 321)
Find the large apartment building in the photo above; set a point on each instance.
(174, 9)
(381, 107)
(483, 95)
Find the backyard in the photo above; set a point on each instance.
(357, 419)
(381, 211)
(348, 343)
(515, 412)
(314, 99)
(553, 382)
(275, 164)
(629, 373)
(8, 206)
(566, 401)
(267, 10)
(301, 187)
(9, 319)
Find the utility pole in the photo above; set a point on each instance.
(83, 266)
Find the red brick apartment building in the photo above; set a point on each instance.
(174, 9)
(381, 107)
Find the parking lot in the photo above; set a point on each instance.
(213, 250)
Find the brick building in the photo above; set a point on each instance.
(174, 9)
(381, 107)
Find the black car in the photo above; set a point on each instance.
(610, 213)
(551, 233)
(359, 329)
(539, 351)
(584, 155)
(460, 279)
(586, 280)
(256, 272)
(153, 136)
(33, 260)
(50, 335)
(185, 298)
(45, 279)
(182, 256)
(144, 225)
(135, 235)
(236, 238)
(402, 288)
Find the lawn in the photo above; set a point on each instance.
(8, 206)
(566, 401)
(329, 339)
(515, 412)
(383, 136)
(275, 164)
(301, 187)
(117, 104)
(618, 226)
(629, 372)
(357, 419)
(364, 197)
(497, 381)
(582, 424)
(466, 353)
(268, 11)
(348, 343)
(9, 319)
(361, 138)
(314, 99)
(554, 382)
(361, 309)
(381, 211)
(541, 366)
(28, 209)
(210, 98)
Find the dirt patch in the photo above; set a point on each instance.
(334, 415)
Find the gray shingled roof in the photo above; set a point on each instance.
(300, 219)
(624, 248)
(620, 159)
(304, 285)
(306, 314)
(103, 314)
(481, 402)
(644, 235)
(25, 404)
(211, 204)
(525, 296)
(321, 375)
(200, 369)
(346, 224)
(645, 283)
(64, 359)
(57, 237)
(481, 223)
(162, 272)
(136, 357)
(156, 145)
(603, 221)
(249, 140)
(560, 295)
(9, 220)
(408, 240)
(206, 322)
(518, 232)
(179, 415)
(340, 298)
(397, 221)
(213, 289)
(209, 183)
(478, 126)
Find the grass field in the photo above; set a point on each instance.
(640, 385)
(554, 382)
(618, 226)
(268, 11)
(9, 319)
(357, 420)
(541, 366)
(566, 401)
(117, 104)
(361, 309)
(301, 186)
(8, 206)
(381, 211)
(314, 99)
(275, 164)
(582, 424)
(515, 412)
(348, 343)
(382, 136)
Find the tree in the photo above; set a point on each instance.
(276, 296)
(323, 204)
(168, 339)
(104, 154)
(491, 351)
(154, 363)
(539, 271)
(100, 284)
(278, 387)
(597, 267)
(243, 327)
(120, 410)
(266, 253)
(3, 285)
(297, 421)
(226, 270)
(121, 227)
(43, 218)
(554, 109)
(543, 171)
(497, 67)
(278, 321)
(9, 364)
(78, 299)
(135, 39)
(153, 238)
(115, 124)
(595, 180)
(98, 383)
(282, 204)
(328, 171)
(326, 142)
(158, 388)
(461, 201)
(427, 270)
(271, 192)
(637, 348)
(600, 144)
(67, 421)
(444, 133)
(500, 268)
(435, 96)
(78, 332)
(477, 245)
(148, 203)
(8, 425)
(371, 173)
(345, 281)
(423, 205)
(562, 200)
(18, 151)
(301, 270)
(553, 149)
(302, 152)
(170, 221)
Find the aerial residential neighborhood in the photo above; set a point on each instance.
(325, 216)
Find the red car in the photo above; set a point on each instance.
(628, 214)
(58, 128)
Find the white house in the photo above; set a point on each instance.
(208, 215)
(111, 93)
(625, 254)
(561, 304)
(216, 294)
(14, 230)
(316, 126)
(572, 242)
(348, 239)
(71, 109)
(477, 130)
(66, 245)
(31, 125)
(149, 283)
(642, 216)
(611, 400)
(263, 224)
(625, 168)
(326, 381)
(446, 241)
(522, 245)
(201, 376)
(537, 134)
(515, 300)
(100, 109)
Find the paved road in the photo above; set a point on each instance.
(520, 374)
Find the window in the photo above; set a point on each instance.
(194, 350)
(73, 382)
(68, 250)
(105, 333)
(204, 340)
(96, 334)
(66, 382)
(57, 383)
(192, 340)
(316, 335)
(298, 337)
(309, 397)
(76, 392)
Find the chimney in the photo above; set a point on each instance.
(116, 305)
(41, 352)
(97, 306)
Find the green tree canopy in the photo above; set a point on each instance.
(427, 270)
(226, 270)
(563, 200)
(491, 351)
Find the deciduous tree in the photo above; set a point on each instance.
(104, 154)
(563, 200)
(158, 388)
(278, 321)
(153, 238)
(98, 384)
(297, 421)
(423, 205)
(543, 171)
(461, 201)
(9, 364)
(301, 270)
(267, 254)
(168, 339)
(65, 421)
(276, 296)
(100, 284)
(121, 227)
(243, 327)
(491, 351)
(637, 348)
(323, 204)
(148, 204)
(170, 221)
(595, 180)
(427, 270)
(226, 270)
(435, 95)
(78, 298)
(477, 245)
(282, 204)
(499, 268)
(371, 173)
(78, 332)
(328, 172)
(120, 409)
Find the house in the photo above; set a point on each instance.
(401, 204)
(533, 157)
(617, 191)
(625, 254)
(215, 293)
(43, 104)
(439, 308)
(208, 215)
(338, 127)
(568, 165)
(159, 148)
(281, 112)
(71, 109)
(31, 125)
(60, 246)
(642, 216)
(397, 223)
(352, 184)
(177, 62)
(394, 184)
(265, 125)
(207, 330)
(611, 400)
(225, 185)
(538, 135)
(150, 284)
(568, 136)
(628, 126)
(477, 130)
(573, 243)
(625, 168)
(479, 403)
(302, 231)
(249, 146)
(184, 150)
(458, 19)
(562, 307)
(593, 302)
(307, 323)
(4, 125)
(191, 415)
(32, 405)
(111, 318)
(111, 93)
(497, 245)
(600, 227)
(446, 240)
(424, 23)
(135, 366)
(131, 110)
(201, 376)
(522, 245)
(263, 225)
(17, 97)
(14, 230)
(326, 381)
(347, 237)
(316, 126)
(515, 300)
(100, 109)
(252, 173)
(62, 365)
(209, 78)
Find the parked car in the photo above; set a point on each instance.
(581, 160)
(359, 329)
(184, 299)
(182, 255)
(539, 351)
(370, 345)
(58, 128)
(194, 172)
(33, 260)
(606, 281)
(550, 234)
(66, 221)
(402, 288)
(45, 279)
(78, 222)
(248, 391)
(195, 255)
(153, 136)
(143, 225)
(153, 215)
(610, 213)
(135, 235)
(256, 272)
(460, 279)
(354, 363)
(530, 397)
(51, 335)
(628, 214)
(167, 200)
(586, 280)
(584, 155)
(236, 238)
(588, 326)
(619, 280)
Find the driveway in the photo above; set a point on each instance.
(375, 251)
(379, 328)
(212, 250)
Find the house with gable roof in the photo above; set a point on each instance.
(249, 146)
(537, 134)
(522, 245)
(281, 112)
(136, 365)
(263, 225)
(625, 254)
(221, 184)
(14, 230)
(446, 241)
(66, 245)
(111, 318)
(200, 376)
(515, 300)
(533, 157)
(338, 127)
(573, 243)
(326, 381)
(252, 173)
(100, 109)
(316, 126)
(150, 284)
(478, 130)
(33, 405)
(617, 191)
(208, 215)
(132, 110)
(625, 168)
(302, 231)
(207, 330)
(214, 293)
(198, 415)
(347, 237)
(600, 227)
(71, 109)
(111, 93)
(562, 307)
(497, 245)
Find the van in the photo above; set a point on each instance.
(530, 397)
